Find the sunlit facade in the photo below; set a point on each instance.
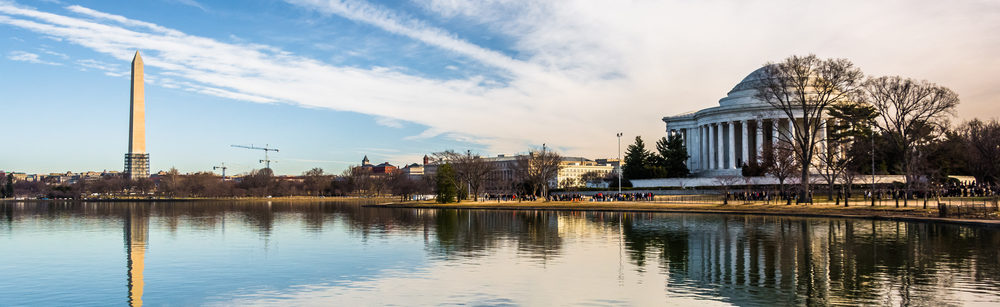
(721, 139)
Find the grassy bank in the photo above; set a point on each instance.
(911, 213)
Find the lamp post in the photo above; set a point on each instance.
(872, 128)
(545, 185)
(619, 164)
(468, 156)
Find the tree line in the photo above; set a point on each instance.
(464, 176)
(459, 177)
(258, 183)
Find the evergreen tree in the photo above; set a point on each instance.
(446, 189)
(8, 188)
(672, 157)
(637, 161)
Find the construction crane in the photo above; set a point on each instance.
(266, 149)
(223, 167)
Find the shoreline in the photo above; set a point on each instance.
(891, 213)
(207, 199)
(908, 214)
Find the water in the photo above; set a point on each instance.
(340, 253)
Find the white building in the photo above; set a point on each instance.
(721, 139)
(571, 170)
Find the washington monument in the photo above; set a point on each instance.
(137, 160)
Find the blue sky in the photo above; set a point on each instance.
(328, 82)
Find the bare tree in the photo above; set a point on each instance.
(802, 88)
(472, 170)
(402, 185)
(315, 181)
(359, 180)
(831, 162)
(847, 186)
(537, 169)
(982, 149)
(259, 182)
(782, 164)
(911, 113)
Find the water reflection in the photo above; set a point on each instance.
(819, 261)
(312, 253)
(136, 235)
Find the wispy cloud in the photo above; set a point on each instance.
(261, 73)
(394, 23)
(29, 57)
(572, 74)
(192, 3)
(377, 150)
(58, 54)
(109, 69)
(121, 20)
(319, 161)
(389, 122)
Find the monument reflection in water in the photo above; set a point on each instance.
(321, 253)
(136, 234)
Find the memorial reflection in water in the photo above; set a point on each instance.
(239, 253)
(136, 234)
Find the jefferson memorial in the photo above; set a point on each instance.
(721, 139)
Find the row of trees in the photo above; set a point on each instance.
(911, 116)
(460, 176)
(258, 183)
(847, 124)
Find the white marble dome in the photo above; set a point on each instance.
(744, 91)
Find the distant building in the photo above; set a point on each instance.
(614, 162)
(18, 177)
(61, 178)
(383, 168)
(571, 170)
(91, 175)
(414, 171)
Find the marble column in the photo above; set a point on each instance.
(791, 131)
(719, 145)
(760, 138)
(746, 142)
(822, 137)
(705, 164)
(776, 133)
(732, 144)
(687, 145)
(707, 149)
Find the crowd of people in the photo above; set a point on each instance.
(763, 196)
(961, 189)
(970, 189)
(964, 189)
(509, 197)
(751, 196)
(601, 197)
